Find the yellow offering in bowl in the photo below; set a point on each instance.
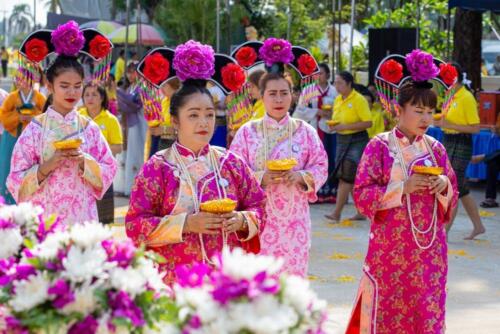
(281, 165)
(68, 144)
(326, 107)
(332, 122)
(437, 117)
(26, 111)
(428, 170)
(225, 205)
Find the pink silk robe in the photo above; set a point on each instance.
(67, 191)
(161, 199)
(288, 222)
(403, 287)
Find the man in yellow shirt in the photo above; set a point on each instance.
(353, 117)
(461, 120)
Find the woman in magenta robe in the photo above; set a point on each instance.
(403, 286)
(164, 211)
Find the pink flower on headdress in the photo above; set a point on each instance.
(67, 39)
(193, 60)
(276, 50)
(421, 65)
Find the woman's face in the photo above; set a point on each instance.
(66, 90)
(195, 122)
(415, 119)
(131, 75)
(277, 98)
(92, 99)
(323, 76)
(341, 85)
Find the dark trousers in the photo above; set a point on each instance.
(4, 68)
(330, 144)
(492, 170)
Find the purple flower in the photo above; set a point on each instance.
(88, 325)
(7, 271)
(14, 326)
(6, 224)
(2, 201)
(68, 40)
(42, 231)
(193, 60)
(23, 271)
(421, 65)
(262, 284)
(192, 276)
(276, 50)
(124, 307)
(121, 252)
(62, 292)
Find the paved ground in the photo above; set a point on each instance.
(337, 255)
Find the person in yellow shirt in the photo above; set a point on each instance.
(378, 122)
(351, 111)
(95, 103)
(258, 107)
(163, 136)
(461, 120)
(120, 66)
(5, 61)
(17, 110)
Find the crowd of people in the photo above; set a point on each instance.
(338, 137)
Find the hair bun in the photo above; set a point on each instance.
(195, 82)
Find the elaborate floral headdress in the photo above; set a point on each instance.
(277, 53)
(417, 66)
(189, 61)
(67, 40)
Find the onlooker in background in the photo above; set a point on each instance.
(96, 102)
(111, 93)
(496, 66)
(120, 66)
(130, 105)
(484, 69)
(461, 120)
(3, 95)
(5, 61)
(492, 161)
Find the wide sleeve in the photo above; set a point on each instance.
(369, 188)
(127, 103)
(22, 181)
(251, 196)
(240, 146)
(315, 168)
(448, 199)
(145, 223)
(99, 164)
(9, 117)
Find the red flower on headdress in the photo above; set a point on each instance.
(448, 73)
(391, 71)
(246, 56)
(36, 49)
(307, 64)
(233, 76)
(99, 47)
(156, 68)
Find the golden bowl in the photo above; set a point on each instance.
(26, 111)
(428, 170)
(68, 144)
(437, 117)
(281, 165)
(219, 206)
(332, 122)
(326, 107)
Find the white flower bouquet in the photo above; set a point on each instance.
(241, 294)
(80, 280)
